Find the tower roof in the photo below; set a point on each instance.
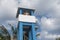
(23, 9)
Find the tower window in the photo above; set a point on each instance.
(26, 13)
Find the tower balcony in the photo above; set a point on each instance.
(27, 18)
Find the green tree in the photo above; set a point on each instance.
(57, 38)
(14, 32)
(4, 34)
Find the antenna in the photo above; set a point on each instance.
(18, 3)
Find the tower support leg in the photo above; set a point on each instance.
(33, 32)
(30, 35)
(20, 37)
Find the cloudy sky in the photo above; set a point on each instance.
(46, 11)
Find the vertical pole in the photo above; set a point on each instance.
(30, 35)
(32, 13)
(20, 11)
(20, 31)
(33, 32)
(18, 34)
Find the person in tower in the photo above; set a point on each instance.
(26, 13)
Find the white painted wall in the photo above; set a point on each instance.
(27, 18)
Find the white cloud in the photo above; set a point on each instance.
(47, 36)
(28, 3)
(8, 8)
(50, 28)
(49, 8)
(52, 36)
(50, 24)
(47, 23)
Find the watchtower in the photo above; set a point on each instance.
(26, 24)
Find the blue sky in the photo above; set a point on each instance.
(46, 11)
